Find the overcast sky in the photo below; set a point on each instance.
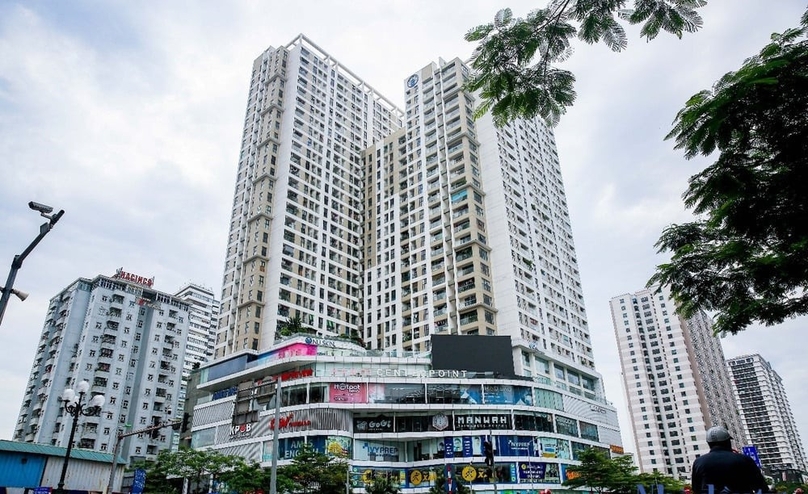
(128, 116)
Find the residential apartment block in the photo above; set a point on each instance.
(766, 414)
(128, 341)
(676, 382)
(295, 241)
(203, 320)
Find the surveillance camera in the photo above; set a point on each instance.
(42, 208)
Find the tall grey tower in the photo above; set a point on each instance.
(766, 413)
(675, 379)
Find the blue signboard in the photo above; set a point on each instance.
(752, 452)
(139, 483)
(42, 490)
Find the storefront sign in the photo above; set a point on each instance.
(348, 393)
(482, 422)
(140, 280)
(395, 372)
(373, 451)
(224, 393)
(378, 424)
(241, 430)
(294, 374)
(289, 421)
(614, 448)
(547, 473)
(440, 422)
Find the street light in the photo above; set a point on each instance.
(16, 264)
(74, 406)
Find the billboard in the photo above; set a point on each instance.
(475, 353)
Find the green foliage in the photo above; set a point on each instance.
(246, 477)
(195, 465)
(598, 472)
(383, 484)
(312, 471)
(649, 480)
(746, 257)
(439, 487)
(292, 325)
(514, 64)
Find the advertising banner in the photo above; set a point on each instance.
(377, 451)
(517, 446)
(498, 394)
(547, 473)
(347, 393)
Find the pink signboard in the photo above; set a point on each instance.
(348, 393)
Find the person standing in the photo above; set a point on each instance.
(724, 469)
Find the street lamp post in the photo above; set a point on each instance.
(75, 407)
(16, 264)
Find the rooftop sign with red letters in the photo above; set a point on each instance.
(140, 280)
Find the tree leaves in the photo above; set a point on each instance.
(747, 256)
(514, 64)
(601, 473)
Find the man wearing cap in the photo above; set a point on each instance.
(724, 469)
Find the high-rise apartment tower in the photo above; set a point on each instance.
(295, 248)
(766, 414)
(128, 341)
(676, 382)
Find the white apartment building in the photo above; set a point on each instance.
(127, 340)
(295, 246)
(766, 414)
(676, 382)
(468, 232)
(203, 322)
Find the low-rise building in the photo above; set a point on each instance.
(404, 414)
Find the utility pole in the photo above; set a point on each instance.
(273, 477)
(16, 264)
(119, 438)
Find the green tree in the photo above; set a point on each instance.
(245, 477)
(382, 484)
(650, 480)
(600, 473)
(313, 472)
(746, 256)
(439, 487)
(198, 466)
(514, 64)
(292, 325)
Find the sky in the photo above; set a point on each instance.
(128, 115)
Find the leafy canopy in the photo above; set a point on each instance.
(746, 256)
(599, 473)
(515, 63)
(312, 471)
(197, 466)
